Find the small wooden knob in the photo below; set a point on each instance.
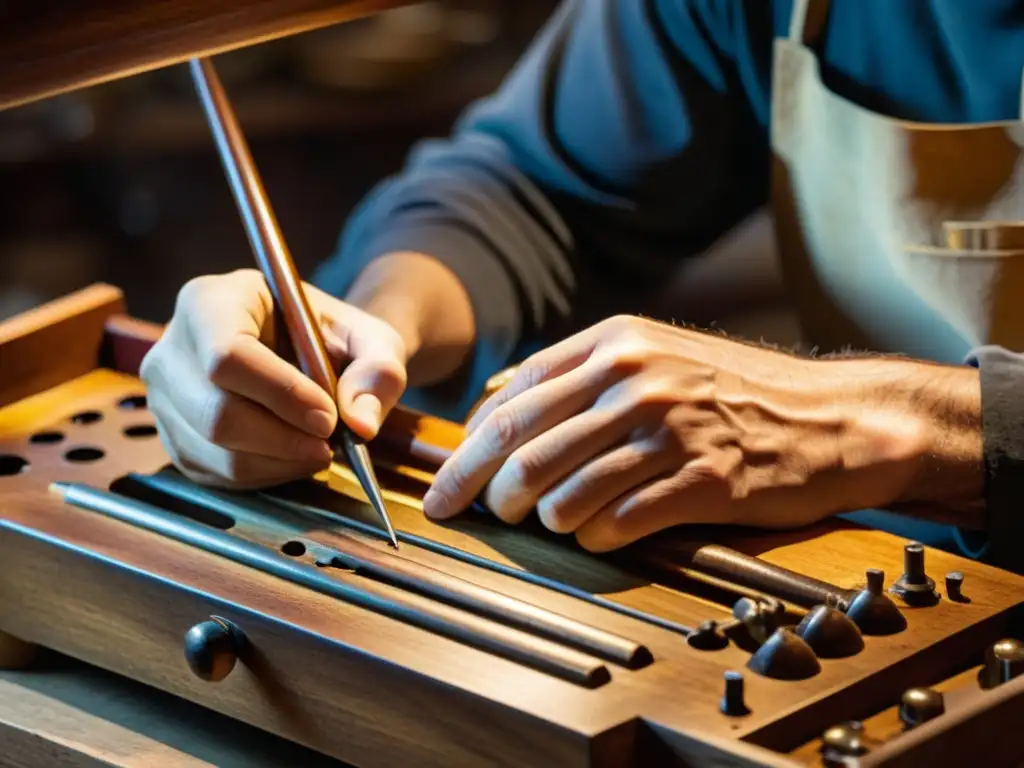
(211, 649)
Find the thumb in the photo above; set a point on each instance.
(373, 375)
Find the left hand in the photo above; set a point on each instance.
(633, 426)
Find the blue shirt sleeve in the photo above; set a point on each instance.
(562, 189)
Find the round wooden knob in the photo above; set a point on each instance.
(211, 649)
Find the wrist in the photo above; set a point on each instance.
(426, 304)
(919, 425)
(379, 291)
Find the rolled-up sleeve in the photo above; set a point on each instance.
(1002, 414)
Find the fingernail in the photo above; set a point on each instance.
(435, 504)
(366, 408)
(320, 423)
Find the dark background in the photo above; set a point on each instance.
(119, 183)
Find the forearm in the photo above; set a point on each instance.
(428, 306)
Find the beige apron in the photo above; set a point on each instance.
(893, 235)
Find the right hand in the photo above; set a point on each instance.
(231, 413)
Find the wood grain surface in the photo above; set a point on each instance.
(370, 690)
(79, 716)
(54, 342)
(49, 47)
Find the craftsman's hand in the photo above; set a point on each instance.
(231, 412)
(633, 426)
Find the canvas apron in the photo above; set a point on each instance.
(893, 236)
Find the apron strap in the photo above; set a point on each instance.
(807, 21)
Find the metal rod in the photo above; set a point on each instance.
(733, 566)
(447, 550)
(278, 268)
(461, 626)
(392, 569)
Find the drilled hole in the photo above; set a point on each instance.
(11, 464)
(46, 438)
(132, 403)
(140, 430)
(81, 455)
(86, 417)
(294, 548)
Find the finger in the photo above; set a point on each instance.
(229, 421)
(683, 497)
(225, 334)
(532, 470)
(541, 367)
(210, 464)
(598, 483)
(251, 371)
(483, 452)
(372, 383)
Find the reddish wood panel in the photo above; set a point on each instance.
(50, 47)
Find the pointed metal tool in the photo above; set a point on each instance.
(278, 268)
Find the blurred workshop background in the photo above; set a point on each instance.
(120, 183)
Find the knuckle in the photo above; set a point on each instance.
(522, 470)
(393, 372)
(707, 473)
(622, 360)
(677, 423)
(530, 373)
(193, 291)
(669, 440)
(246, 273)
(221, 360)
(503, 507)
(290, 388)
(215, 418)
(502, 429)
(621, 325)
(554, 515)
(651, 394)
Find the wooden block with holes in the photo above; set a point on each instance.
(363, 687)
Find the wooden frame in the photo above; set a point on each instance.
(367, 689)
